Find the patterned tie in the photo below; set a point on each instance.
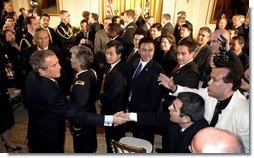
(138, 70)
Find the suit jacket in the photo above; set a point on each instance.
(128, 34)
(114, 96)
(234, 118)
(146, 93)
(47, 110)
(244, 59)
(140, 21)
(144, 27)
(80, 35)
(187, 75)
(100, 41)
(55, 40)
(169, 27)
(178, 142)
(202, 61)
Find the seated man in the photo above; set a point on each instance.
(184, 120)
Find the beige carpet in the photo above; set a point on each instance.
(19, 132)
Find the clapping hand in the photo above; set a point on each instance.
(120, 118)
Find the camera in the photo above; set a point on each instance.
(222, 56)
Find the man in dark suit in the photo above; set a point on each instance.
(53, 39)
(184, 119)
(114, 31)
(84, 37)
(147, 25)
(167, 25)
(133, 54)
(48, 107)
(139, 19)
(114, 95)
(130, 28)
(203, 55)
(185, 74)
(237, 44)
(144, 94)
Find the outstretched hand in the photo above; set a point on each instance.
(167, 82)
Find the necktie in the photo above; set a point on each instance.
(176, 68)
(219, 107)
(131, 54)
(108, 69)
(138, 70)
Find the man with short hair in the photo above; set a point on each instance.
(48, 107)
(203, 55)
(167, 25)
(44, 22)
(226, 108)
(183, 120)
(214, 140)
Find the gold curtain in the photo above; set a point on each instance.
(121, 5)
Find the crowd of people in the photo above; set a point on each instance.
(147, 78)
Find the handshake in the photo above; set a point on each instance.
(121, 118)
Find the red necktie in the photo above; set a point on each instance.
(176, 68)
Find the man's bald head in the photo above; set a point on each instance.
(214, 140)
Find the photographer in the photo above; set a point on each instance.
(220, 46)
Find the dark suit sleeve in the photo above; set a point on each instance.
(159, 119)
(116, 87)
(58, 104)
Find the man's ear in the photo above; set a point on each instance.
(41, 72)
(186, 119)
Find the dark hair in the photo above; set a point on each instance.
(189, 44)
(171, 38)
(114, 27)
(95, 16)
(146, 40)
(28, 20)
(45, 14)
(84, 21)
(140, 32)
(158, 26)
(114, 18)
(84, 55)
(85, 13)
(240, 39)
(189, 27)
(118, 45)
(234, 75)
(193, 105)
